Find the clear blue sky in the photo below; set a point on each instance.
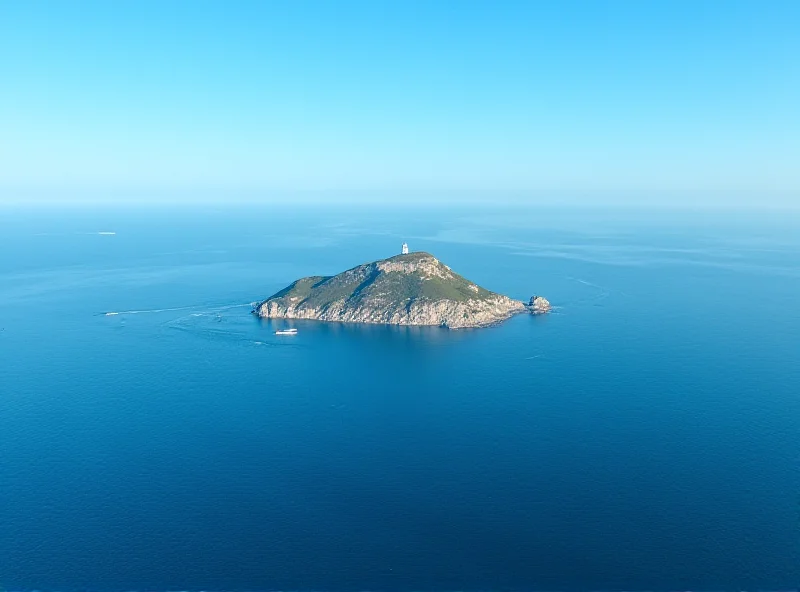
(193, 100)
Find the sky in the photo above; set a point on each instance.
(432, 101)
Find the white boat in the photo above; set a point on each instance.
(286, 332)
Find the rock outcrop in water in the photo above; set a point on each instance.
(408, 289)
(538, 305)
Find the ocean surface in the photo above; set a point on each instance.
(154, 435)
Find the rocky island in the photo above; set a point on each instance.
(407, 289)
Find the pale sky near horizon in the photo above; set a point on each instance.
(191, 101)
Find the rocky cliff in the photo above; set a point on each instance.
(412, 289)
(539, 305)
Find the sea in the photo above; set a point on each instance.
(156, 436)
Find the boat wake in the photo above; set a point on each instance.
(596, 299)
(222, 323)
(148, 311)
(202, 310)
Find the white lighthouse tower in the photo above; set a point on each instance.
(405, 249)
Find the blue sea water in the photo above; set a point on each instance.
(646, 435)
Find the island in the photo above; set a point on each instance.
(407, 289)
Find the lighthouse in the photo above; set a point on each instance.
(405, 249)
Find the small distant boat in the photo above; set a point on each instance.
(286, 332)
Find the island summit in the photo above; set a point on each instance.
(407, 289)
